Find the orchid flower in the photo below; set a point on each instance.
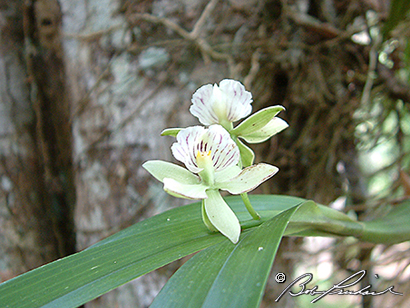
(211, 159)
(223, 104)
(228, 103)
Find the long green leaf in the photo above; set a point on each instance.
(135, 251)
(152, 243)
(77, 279)
(225, 275)
(398, 12)
(317, 220)
(390, 229)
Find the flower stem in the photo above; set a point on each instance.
(249, 207)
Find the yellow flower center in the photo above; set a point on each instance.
(204, 161)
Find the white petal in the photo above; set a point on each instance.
(224, 151)
(186, 191)
(184, 149)
(221, 216)
(229, 102)
(250, 178)
(238, 100)
(202, 105)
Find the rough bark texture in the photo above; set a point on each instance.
(27, 236)
(88, 85)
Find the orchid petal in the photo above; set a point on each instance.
(229, 102)
(274, 126)
(201, 107)
(221, 216)
(223, 149)
(250, 178)
(162, 169)
(215, 139)
(205, 218)
(183, 150)
(238, 100)
(186, 191)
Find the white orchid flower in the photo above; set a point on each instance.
(228, 103)
(223, 104)
(211, 158)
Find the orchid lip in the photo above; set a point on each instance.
(226, 103)
(195, 144)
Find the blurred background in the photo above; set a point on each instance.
(86, 87)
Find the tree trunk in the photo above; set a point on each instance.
(29, 232)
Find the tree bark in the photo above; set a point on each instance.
(29, 237)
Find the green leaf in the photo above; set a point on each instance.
(124, 256)
(250, 178)
(159, 240)
(390, 229)
(135, 251)
(318, 220)
(256, 121)
(173, 132)
(398, 12)
(236, 276)
(273, 127)
(162, 169)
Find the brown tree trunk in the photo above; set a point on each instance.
(29, 234)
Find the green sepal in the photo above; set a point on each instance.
(250, 178)
(206, 220)
(171, 131)
(247, 155)
(227, 173)
(162, 169)
(273, 127)
(256, 121)
(186, 191)
(221, 216)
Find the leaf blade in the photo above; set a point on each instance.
(237, 275)
(90, 273)
(161, 239)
